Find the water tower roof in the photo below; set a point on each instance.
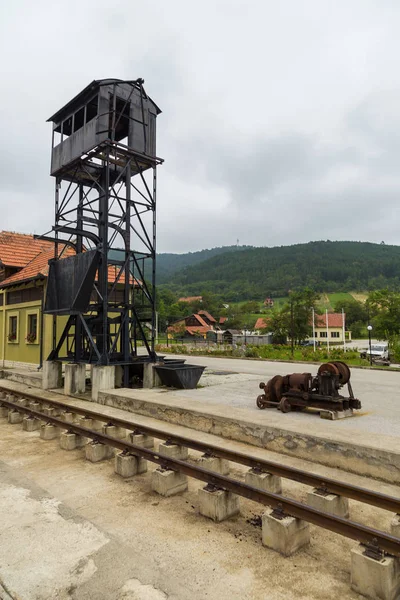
(88, 92)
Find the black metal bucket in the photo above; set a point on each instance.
(181, 376)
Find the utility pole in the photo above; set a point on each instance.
(292, 325)
(327, 329)
(313, 326)
(344, 330)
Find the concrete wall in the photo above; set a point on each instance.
(336, 330)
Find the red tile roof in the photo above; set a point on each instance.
(18, 249)
(334, 320)
(192, 330)
(261, 323)
(222, 320)
(207, 314)
(113, 271)
(202, 321)
(202, 327)
(38, 267)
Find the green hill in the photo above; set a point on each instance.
(168, 263)
(253, 273)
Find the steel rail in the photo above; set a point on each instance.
(361, 533)
(328, 485)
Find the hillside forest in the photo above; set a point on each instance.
(363, 279)
(243, 273)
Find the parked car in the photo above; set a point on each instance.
(379, 352)
(308, 343)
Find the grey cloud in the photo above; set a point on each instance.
(280, 123)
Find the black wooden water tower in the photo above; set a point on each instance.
(104, 163)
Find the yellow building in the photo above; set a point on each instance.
(26, 334)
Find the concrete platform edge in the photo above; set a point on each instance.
(356, 458)
(375, 460)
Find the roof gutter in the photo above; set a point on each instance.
(26, 280)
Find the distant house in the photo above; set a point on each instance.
(209, 319)
(268, 302)
(335, 327)
(192, 326)
(261, 323)
(330, 326)
(222, 320)
(190, 299)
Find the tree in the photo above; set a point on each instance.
(279, 325)
(178, 330)
(294, 319)
(250, 307)
(168, 308)
(384, 310)
(355, 311)
(211, 302)
(300, 307)
(236, 320)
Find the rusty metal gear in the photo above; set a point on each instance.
(329, 367)
(344, 371)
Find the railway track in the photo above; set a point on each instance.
(379, 543)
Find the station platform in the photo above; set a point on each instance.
(336, 444)
(309, 438)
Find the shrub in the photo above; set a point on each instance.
(251, 352)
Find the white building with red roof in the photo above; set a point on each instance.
(331, 326)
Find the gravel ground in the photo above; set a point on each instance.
(70, 529)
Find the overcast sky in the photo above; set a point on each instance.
(280, 122)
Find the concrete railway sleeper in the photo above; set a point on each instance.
(323, 485)
(362, 533)
(285, 529)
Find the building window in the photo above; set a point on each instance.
(323, 334)
(335, 334)
(31, 328)
(66, 128)
(91, 109)
(316, 334)
(79, 119)
(13, 329)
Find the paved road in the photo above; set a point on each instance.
(377, 390)
(361, 344)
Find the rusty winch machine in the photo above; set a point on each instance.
(301, 390)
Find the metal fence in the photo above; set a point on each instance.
(253, 340)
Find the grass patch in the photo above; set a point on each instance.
(279, 302)
(359, 296)
(339, 297)
(269, 352)
(327, 301)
